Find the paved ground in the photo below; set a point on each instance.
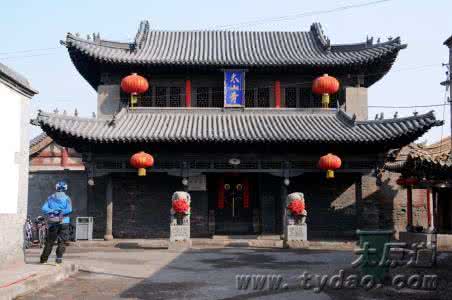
(207, 273)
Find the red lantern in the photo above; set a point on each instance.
(329, 162)
(296, 207)
(141, 161)
(325, 85)
(134, 84)
(180, 206)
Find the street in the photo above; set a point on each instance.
(208, 273)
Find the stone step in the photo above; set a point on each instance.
(271, 241)
(274, 237)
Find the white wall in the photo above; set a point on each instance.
(14, 165)
(10, 152)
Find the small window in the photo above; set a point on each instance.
(175, 97)
(263, 97)
(306, 98)
(145, 100)
(291, 97)
(218, 97)
(249, 98)
(202, 97)
(160, 96)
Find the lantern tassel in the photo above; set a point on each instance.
(329, 174)
(133, 100)
(141, 172)
(325, 100)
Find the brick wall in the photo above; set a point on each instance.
(386, 204)
(42, 184)
(270, 203)
(330, 204)
(141, 206)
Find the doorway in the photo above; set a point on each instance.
(235, 200)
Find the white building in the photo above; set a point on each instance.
(15, 94)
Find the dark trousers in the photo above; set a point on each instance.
(59, 233)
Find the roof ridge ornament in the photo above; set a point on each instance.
(317, 29)
(142, 34)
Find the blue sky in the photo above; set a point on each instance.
(414, 79)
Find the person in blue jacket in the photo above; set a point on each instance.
(57, 208)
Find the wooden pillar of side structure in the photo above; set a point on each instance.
(435, 218)
(283, 207)
(358, 200)
(429, 209)
(409, 208)
(109, 210)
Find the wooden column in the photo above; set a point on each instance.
(358, 200)
(188, 93)
(277, 94)
(64, 157)
(429, 209)
(109, 210)
(409, 208)
(435, 218)
(283, 206)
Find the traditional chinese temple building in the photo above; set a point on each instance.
(238, 156)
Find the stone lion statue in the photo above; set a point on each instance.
(180, 195)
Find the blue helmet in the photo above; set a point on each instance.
(61, 186)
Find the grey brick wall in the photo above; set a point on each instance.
(200, 213)
(270, 203)
(141, 206)
(330, 204)
(389, 203)
(42, 184)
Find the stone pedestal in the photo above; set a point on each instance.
(296, 233)
(295, 229)
(180, 226)
(179, 233)
(296, 236)
(427, 239)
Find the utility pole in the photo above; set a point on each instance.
(447, 82)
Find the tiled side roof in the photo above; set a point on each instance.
(39, 142)
(413, 158)
(16, 79)
(253, 125)
(232, 48)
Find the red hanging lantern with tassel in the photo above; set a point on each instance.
(141, 161)
(325, 85)
(329, 162)
(134, 84)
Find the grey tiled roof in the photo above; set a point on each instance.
(16, 79)
(253, 125)
(423, 163)
(37, 139)
(233, 48)
(39, 142)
